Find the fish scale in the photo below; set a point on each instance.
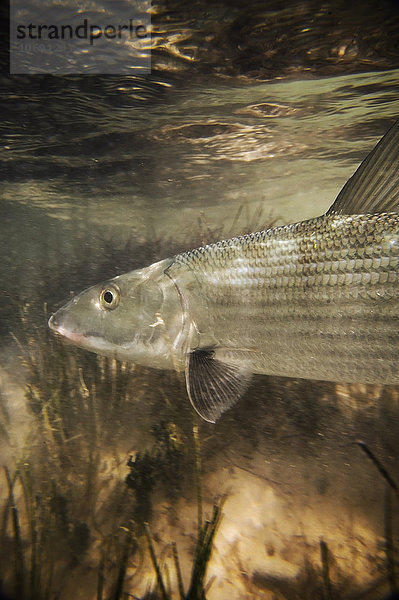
(303, 305)
(298, 257)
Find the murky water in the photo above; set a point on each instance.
(100, 176)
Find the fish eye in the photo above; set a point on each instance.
(109, 297)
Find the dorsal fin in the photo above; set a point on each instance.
(212, 385)
(374, 187)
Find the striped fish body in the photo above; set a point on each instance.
(318, 299)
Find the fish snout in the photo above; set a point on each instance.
(53, 323)
(58, 325)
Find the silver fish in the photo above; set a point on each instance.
(317, 299)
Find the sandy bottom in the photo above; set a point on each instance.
(269, 538)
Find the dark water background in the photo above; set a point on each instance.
(254, 113)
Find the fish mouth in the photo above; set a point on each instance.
(90, 340)
(74, 338)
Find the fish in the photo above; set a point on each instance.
(317, 299)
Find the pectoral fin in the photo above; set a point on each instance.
(213, 386)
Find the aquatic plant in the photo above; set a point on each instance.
(163, 467)
(42, 542)
(391, 488)
(197, 588)
(203, 549)
(63, 501)
(4, 420)
(141, 479)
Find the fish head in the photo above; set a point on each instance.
(136, 316)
